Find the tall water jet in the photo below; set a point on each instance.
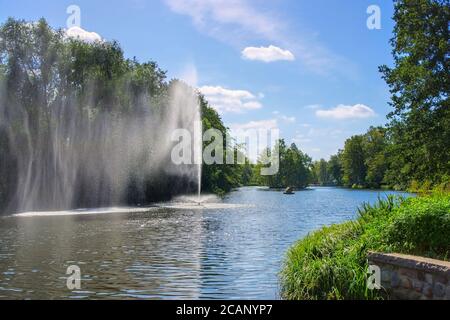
(199, 148)
(80, 126)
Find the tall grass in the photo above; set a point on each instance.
(331, 263)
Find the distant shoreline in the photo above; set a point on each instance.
(337, 187)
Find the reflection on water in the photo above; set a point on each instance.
(221, 251)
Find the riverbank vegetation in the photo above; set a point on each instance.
(412, 152)
(42, 71)
(220, 178)
(294, 167)
(332, 263)
(59, 96)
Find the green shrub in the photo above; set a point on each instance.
(419, 226)
(327, 264)
(332, 263)
(444, 185)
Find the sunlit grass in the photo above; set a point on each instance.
(331, 263)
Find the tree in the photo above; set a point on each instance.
(221, 178)
(64, 101)
(334, 168)
(353, 162)
(320, 172)
(299, 165)
(294, 170)
(375, 145)
(419, 83)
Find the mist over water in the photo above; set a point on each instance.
(85, 157)
(199, 155)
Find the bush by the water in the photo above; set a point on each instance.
(332, 263)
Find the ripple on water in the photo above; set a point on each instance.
(229, 248)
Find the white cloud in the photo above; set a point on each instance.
(321, 133)
(257, 136)
(227, 100)
(301, 139)
(255, 125)
(83, 35)
(211, 16)
(313, 106)
(237, 22)
(319, 142)
(283, 117)
(308, 133)
(287, 119)
(267, 54)
(343, 112)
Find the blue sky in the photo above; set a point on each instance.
(309, 68)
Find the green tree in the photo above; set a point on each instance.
(420, 83)
(221, 178)
(294, 167)
(320, 173)
(334, 168)
(375, 148)
(49, 82)
(354, 162)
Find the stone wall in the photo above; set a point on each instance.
(412, 278)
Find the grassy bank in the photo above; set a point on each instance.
(331, 263)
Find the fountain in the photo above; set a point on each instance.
(83, 157)
(199, 154)
(82, 127)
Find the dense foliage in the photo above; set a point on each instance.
(221, 178)
(332, 263)
(420, 85)
(41, 70)
(294, 167)
(362, 163)
(42, 73)
(414, 150)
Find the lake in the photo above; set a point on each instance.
(228, 249)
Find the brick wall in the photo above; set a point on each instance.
(412, 278)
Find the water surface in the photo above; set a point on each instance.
(230, 250)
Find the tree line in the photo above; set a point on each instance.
(41, 70)
(59, 94)
(294, 167)
(413, 150)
